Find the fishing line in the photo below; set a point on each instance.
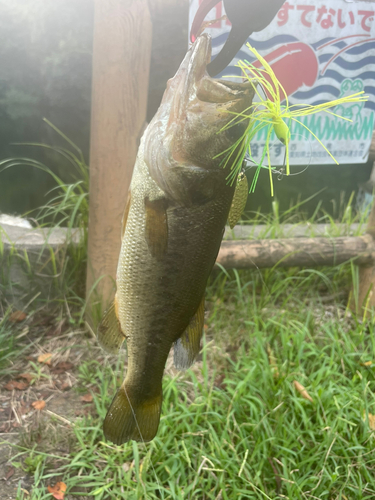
(249, 163)
(143, 441)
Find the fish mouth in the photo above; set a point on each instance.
(190, 126)
(206, 88)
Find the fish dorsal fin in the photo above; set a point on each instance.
(109, 334)
(187, 346)
(156, 228)
(239, 200)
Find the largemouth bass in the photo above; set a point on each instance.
(173, 224)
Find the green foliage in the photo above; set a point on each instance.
(45, 60)
(234, 426)
(68, 207)
(7, 343)
(30, 463)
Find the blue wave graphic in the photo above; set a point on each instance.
(220, 39)
(324, 58)
(367, 75)
(368, 104)
(368, 59)
(308, 94)
(323, 41)
(340, 45)
(331, 73)
(354, 65)
(359, 49)
(354, 51)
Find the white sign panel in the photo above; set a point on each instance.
(319, 51)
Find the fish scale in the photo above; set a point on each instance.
(173, 225)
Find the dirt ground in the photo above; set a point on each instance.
(41, 396)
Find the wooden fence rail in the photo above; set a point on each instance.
(290, 252)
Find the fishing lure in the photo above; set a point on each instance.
(269, 112)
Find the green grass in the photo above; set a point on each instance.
(234, 426)
(68, 207)
(8, 347)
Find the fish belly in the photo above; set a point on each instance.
(158, 296)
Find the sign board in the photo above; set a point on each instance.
(319, 51)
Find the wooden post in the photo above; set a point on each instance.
(121, 61)
(363, 299)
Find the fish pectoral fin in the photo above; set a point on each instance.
(127, 418)
(239, 200)
(187, 346)
(109, 334)
(156, 227)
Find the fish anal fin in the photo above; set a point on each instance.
(156, 228)
(239, 200)
(128, 418)
(109, 334)
(126, 213)
(187, 347)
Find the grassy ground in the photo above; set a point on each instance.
(234, 426)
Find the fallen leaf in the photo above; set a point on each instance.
(45, 358)
(39, 405)
(126, 466)
(367, 363)
(17, 316)
(13, 384)
(62, 367)
(26, 376)
(23, 409)
(65, 386)
(371, 420)
(9, 473)
(58, 491)
(86, 398)
(302, 391)
(82, 412)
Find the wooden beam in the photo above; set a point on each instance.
(266, 231)
(290, 252)
(121, 61)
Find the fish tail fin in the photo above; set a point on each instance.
(128, 418)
